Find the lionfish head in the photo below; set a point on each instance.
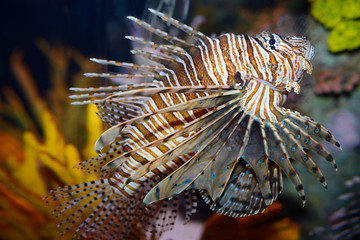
(291, 58)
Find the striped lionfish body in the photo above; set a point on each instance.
(211, 120)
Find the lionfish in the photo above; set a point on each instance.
(211, 121)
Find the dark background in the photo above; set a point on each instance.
(94, 27)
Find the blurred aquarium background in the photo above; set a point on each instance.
(44, 49)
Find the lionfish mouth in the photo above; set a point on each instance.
(306, 66)
(305, 62)
(308, 56)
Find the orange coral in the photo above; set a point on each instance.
(336, 81)
(269, 225)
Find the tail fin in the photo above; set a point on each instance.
(98, 209)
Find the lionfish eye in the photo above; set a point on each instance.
(272, 42)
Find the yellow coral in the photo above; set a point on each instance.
(54, 140)
(340, 16)
(345, 36)
(94, 128)
(28, 172)
(351, 9)
(53, 153)
(328, 12)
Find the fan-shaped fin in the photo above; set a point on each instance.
(296, 152)
(192, 144)
(311, 127)
(233, 147)
(216, 163)
(79, 198)
(200, 122)
(210, 122)
(255, 156)
(99, 205)
(116, 112)
(112, 133)
(242, 195)
(95, 164)
(310, 143)
(205, 102)
(105, 218)
(185, 176)
(279, 155)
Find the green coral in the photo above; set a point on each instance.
(351, 9)
(341, 18)
(327, 12)
(345, 36)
